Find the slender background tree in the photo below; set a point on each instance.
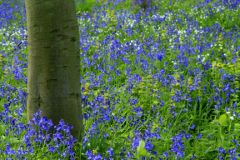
(54, 63)
(143, 3)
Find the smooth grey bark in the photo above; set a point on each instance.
(54, 63)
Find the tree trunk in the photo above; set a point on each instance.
(143, 3)
(54, 63)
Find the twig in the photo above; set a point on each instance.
(18, 45)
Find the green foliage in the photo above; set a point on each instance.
(141, 151)
(87, 6)
(223, 120)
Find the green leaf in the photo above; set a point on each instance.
(142, 152)
(3, 127)
(141, 145)
(223, 120)
(149, 155)
(216, 111)
(214, 63)
(207, 131)
(140, 149)
(155, 102)
(226, 144)
(158, 64)
(139, 72)
(237, 124)
(14, 140)
(236, 131)
(136, 155)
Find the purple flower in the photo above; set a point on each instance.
(159, 56)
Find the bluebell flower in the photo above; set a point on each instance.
(159, 56)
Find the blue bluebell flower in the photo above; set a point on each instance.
(159, 56)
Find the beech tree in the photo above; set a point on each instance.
(53, 85)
